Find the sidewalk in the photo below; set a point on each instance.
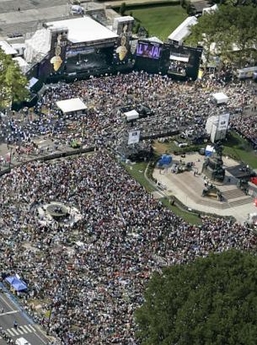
(115, 4)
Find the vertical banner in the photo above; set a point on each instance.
(223, 122)
(124, 30)
(58, 50)
(134, 137)
(123, 45)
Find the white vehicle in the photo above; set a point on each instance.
(77, 9)
(21, 341)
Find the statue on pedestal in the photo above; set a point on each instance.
(213, 165)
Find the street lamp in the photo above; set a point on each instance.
(10, 158)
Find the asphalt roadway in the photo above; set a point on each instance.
(24, 17)
(11, 312)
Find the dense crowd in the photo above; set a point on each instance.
(89, 278)
(174, 106)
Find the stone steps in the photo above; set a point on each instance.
(233, 194)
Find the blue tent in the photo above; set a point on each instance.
(16, 283)
(165, 160)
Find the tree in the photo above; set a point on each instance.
(123, 8)
(212, 301)
(230, 28)
(12, 80)
(190, 9)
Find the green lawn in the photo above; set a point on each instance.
(159, 21)
(137, 172)
(239, 149)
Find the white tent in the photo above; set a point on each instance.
(131, 115)
(183, 30)
(210, 10)
(38, 45)
(7, 48)
(220, 98)
(73, 105)
(209, 150)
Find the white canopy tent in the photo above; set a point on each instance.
(7, 48)
(220, 98)
(210, 10)
(183, 30)
(73, 105)
(131, 115)
(38, 45)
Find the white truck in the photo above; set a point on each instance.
(21, 341)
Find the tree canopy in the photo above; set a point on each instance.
(13, 81)
(212, 301)
(230, 28)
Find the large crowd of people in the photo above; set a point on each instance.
(174, 106)
(89, 278)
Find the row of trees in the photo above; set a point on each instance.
(13, 82)
(233, 29)
(212, 301)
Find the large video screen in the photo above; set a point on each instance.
(181, 61)
(148, 50)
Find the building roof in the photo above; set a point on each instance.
(83, 29)
(183, 30)
(71, 105)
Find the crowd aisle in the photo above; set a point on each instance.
(89, 278)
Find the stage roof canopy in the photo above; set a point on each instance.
(71, 105)
(83, 29)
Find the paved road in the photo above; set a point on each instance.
(27, 16)
(9, 312)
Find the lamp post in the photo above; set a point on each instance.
(10, 158)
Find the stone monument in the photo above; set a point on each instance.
(213, 165)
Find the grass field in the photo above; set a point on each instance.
(239, 149)
(159, 21)
(235, 147)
